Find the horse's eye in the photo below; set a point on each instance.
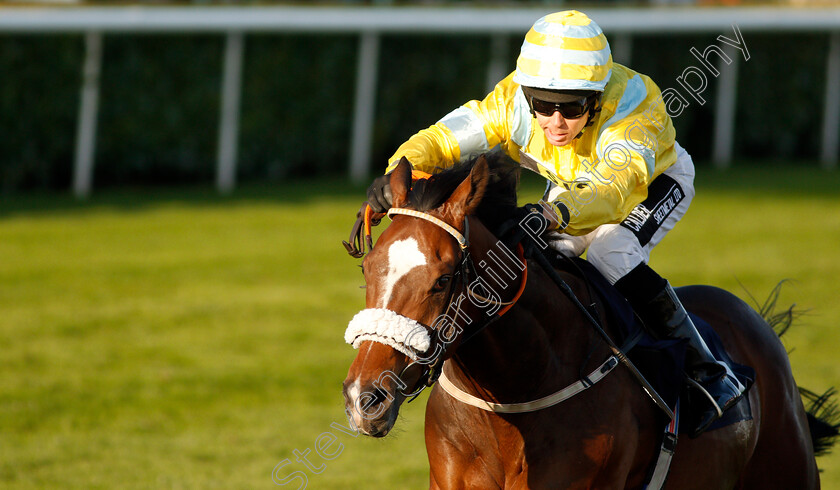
(441, 283)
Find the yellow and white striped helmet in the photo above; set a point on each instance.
(564, 51)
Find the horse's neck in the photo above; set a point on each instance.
(540, 343)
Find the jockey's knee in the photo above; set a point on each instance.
(615, 251)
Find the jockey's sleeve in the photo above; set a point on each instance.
(468, 131)
(591, 202)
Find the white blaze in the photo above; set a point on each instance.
(353, 400)
(403, 256)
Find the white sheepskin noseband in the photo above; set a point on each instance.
(387, 327)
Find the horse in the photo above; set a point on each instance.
(442, 296)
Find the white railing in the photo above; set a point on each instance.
(369, 22)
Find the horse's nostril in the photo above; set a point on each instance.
(380, 395)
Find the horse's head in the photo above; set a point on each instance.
(410, 276)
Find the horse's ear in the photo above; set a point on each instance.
(401, 183)
(469, 193)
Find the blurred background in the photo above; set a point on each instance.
(176, 178)
(158, 74)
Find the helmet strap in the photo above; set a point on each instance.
(593, 112)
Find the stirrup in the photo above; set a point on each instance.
(707, 417)
(711, 399)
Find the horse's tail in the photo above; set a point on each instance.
(823, 419)
(822, 410)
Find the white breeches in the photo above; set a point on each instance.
(615, 249)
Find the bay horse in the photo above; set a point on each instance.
(431, 291)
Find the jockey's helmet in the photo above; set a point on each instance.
(564, 51)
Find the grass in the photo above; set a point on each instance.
(171, 338)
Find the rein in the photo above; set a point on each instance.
(361, 238)
(547, 401)
(463, 242)
(617, 352)
(361, 235)
(433, 370)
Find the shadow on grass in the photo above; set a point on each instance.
(783, 179)
(779, 179)
(140, 198)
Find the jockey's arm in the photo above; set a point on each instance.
(472, 129)
(591, 203)
(430, 150)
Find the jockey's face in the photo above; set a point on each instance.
(559, 130)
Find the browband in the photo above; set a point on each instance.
(462, 238)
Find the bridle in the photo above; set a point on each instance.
(431, 374)
(432, 370)
(463, 239)
(465, 268)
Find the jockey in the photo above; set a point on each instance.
(618, 181)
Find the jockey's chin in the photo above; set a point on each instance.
(558, 130)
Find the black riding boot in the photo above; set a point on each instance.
(665, 317)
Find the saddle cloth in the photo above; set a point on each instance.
(662, 361)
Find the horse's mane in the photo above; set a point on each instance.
(499, 201)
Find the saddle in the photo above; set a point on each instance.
(661, 361)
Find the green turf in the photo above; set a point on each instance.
(175, 339)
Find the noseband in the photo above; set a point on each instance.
(432, 366)
(432, 370)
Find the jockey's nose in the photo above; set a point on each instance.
(557, 119)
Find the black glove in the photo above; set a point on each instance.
(530, 217)
(530, 221)
(379, 194)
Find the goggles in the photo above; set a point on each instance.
(569, 110)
